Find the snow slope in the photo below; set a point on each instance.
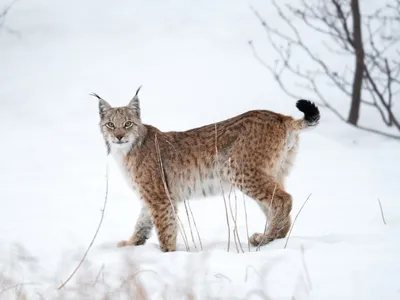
(196, 68)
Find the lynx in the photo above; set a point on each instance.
(253, 152)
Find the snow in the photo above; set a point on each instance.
(196, 68)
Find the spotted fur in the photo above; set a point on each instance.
(252, 152)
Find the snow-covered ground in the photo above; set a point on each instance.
(196, 68)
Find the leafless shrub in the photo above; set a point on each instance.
(374, 80)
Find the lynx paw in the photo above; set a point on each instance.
(124, 243)
(259, 239)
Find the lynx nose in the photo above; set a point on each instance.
(119, 137)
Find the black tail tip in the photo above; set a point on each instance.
(310, 110)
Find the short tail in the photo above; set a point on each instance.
(311, 115)
(310, 110)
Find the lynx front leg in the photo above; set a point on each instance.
(142, 231)
(166, 225)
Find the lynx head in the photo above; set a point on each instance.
(121, 127)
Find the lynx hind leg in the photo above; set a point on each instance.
(288, 162)
(274, 201)
(142, 231)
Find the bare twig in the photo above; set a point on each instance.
(382, 214)
(94, 236)
(294, 221)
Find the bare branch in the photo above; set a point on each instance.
(380, 96)
(375, 72)
(343, 21)
(311, 81)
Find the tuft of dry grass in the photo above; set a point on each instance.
(129, 280)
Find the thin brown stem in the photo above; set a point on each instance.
(190, 223)
(195, 225)
(94, 236)
(294, 221)
(222, 189)
(266, 222)
(178, 220)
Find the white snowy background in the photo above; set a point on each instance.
(196, 67)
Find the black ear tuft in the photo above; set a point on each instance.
(134, 103)
(137, 91)
(103, 104)
(95, 95)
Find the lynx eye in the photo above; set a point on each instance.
(128, 124)
(110, 125)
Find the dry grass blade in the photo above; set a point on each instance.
(247, 223)
(298, 213)
(16, 286)
(98, 275)
(94, 236)
(195, 225)
(222, 189)
(382, 214)
(237, 233)
(303, 259)
(266, 222)
(180, 226)
(190, 224)
(245, 216)
(236, 237)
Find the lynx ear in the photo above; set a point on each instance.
(134, 103)
(103, 104)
